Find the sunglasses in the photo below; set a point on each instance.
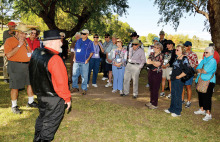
(96, 37)
(106, 36)
(83, 33)
(134, 44)
(33, 33)
(206, 52)
(156, 47)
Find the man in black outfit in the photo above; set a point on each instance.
(49, 80)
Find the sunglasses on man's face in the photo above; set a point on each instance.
(83, 33)
(206, 52)
(134, 44)
(96, 37)
(106, 36)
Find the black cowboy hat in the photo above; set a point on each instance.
(134, 34)
(51, 35)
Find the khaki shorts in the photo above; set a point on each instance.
(166, 73)
(19, 75)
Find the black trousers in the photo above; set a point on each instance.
(51, 111)
(103, 64)
(205, 99)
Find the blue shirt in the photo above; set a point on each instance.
(83, 49)
(210, 66)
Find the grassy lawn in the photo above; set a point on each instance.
(93, 120)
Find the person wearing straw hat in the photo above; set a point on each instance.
(7, 34)
(49, 80)
(136, 61)
(19, 53)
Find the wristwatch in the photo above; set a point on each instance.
(19, 46)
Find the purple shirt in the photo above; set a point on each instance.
(96, 49)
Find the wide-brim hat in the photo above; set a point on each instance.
(170, 42)
(136, 41)
(22, 28)
(162, 33)
(51, 35)
(134, 34)
(187, 43)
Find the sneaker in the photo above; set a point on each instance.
(87, 85)
(148, 104)
(135, 96)
(84, 92)
(74, 90)
(152, 107)
(188, 104)
(114, 91)
(34, 104)
(108, 85)
(200, 112)
(183, 102)
(175, 115)
(207, 117)
(169, 96)
(6, 80)
(121, 92)
(104, 78)
(147, 85)
(123, 95)
(94, 85)
(16, 110)
(167, 111)
(162, 94)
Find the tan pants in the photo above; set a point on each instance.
(5, 66)
(132, 71)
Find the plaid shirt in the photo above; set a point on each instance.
(158, 58)
(193, 59)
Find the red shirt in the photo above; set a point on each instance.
(215, 56)
(59, 76)
(33, 44)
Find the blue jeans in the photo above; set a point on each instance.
(176, 96)
(83, 70)
(93, 65)
(118, 77)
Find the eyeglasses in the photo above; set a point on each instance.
(106, 36)
(156, 47)
(206, 52)
(83, 33)
(33, 33)
(96, 37)
(134, 44)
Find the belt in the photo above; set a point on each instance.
(23, 62)
(134, 63)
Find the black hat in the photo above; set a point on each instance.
(51, 35)
(170, 42)
(134, 34)
(107, 34)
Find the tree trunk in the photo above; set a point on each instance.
(214, 20)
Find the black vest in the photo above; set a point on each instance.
(40, 77)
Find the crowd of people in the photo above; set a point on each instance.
(41, 66)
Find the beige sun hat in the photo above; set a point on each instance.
(136, 41)
(23, 28)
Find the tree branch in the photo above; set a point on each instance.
(199, 11)
(42, 4)
(68, 11)
(31, 7)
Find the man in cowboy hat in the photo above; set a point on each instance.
(136, 61)
(133, 36)
(18, 54)
(8, 33)
(163, 41)
(49, 80)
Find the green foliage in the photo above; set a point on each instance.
(5, 8)
(71, 15)
(150, 38)
(172, 11)
(143, 39)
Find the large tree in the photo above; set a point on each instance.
(173, 10)
(77, 11)
(5, 8)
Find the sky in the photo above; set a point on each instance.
(143, 17)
